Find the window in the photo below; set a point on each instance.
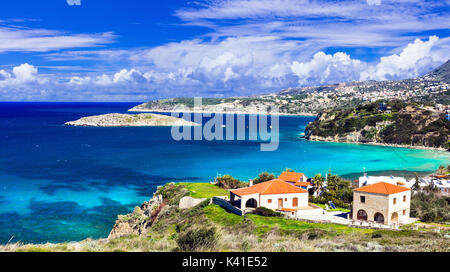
(404, 198)
(404, 212)
(269, 201)
(285, 199)
(294, 202)
(395, 200)
(362, 199)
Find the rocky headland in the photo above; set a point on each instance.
(392, 123)
(130, 120)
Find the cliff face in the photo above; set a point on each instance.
(142, 218)
(392, 123)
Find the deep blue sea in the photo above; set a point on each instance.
(60, 183)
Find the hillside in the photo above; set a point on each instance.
(431, 88)
(160, 225)
(390, 123)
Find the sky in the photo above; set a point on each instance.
(139, 50)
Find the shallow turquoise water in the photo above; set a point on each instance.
(61, 183)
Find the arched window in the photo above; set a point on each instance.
(361, 215)
(379, 218)
(394, 217)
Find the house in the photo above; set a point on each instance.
(383, 203)
(297, 179)
(368, 180)
(274, 194)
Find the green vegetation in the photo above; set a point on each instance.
(228, 182)
(430, 207)
(332, 210)
(203, 190)
(338, 190)
(262, 177)
(210, 228)
(388, 122)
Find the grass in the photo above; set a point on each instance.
(204, 190)
(218, 215)
(265, 224)
(332, 210)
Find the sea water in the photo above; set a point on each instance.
(61, 183)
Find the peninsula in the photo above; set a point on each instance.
(130, 120)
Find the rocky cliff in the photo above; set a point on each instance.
(386, 123)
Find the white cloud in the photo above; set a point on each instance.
(43, 40)
(325, 68)
(25, 72)
(374, 2)
(415, 59)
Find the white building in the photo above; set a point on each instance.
(274, 194)
(369, 180)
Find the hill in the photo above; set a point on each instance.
(387, 123)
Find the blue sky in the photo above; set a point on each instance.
(136, 50)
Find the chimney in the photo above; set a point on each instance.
(250, 182)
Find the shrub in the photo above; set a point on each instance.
(430, 207)
(262, 177)
(203, 238)
(266, 212)
(228, 182)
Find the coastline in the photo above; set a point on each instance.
(379, 144)
(305, 114)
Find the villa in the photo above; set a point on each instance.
(297, 179)
(382, 203)
(274, 194)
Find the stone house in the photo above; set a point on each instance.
(274, 194)
(382, 203)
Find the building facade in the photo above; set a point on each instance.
(382, 203)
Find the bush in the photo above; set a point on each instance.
(228, 182)
(430, 207)
(262, 177)
(203, 238)
(266, 212)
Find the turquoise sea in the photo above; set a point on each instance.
(60, 183)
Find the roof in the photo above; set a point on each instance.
(383, 188)
(290, 176)
(271, 187)
(302, 184)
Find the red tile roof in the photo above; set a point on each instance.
(290, 176)
(302, 184)
(383, 188)
(271, 187)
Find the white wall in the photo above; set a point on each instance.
(287, 200)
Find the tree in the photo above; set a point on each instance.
(318, 183)
(228, 182)
(262, 177)
(416, 185)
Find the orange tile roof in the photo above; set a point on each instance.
(383, 188)
(302, 184)
(290, 176)
(271, 187)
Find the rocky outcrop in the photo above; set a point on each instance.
(130, 120)
(137, 222)
(402, 125)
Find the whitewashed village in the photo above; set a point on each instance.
(378, 201)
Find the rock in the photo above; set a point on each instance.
(130, 120)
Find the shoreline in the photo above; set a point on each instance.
(382, 144)
(305, 114)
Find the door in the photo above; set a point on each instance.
(280, 203)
